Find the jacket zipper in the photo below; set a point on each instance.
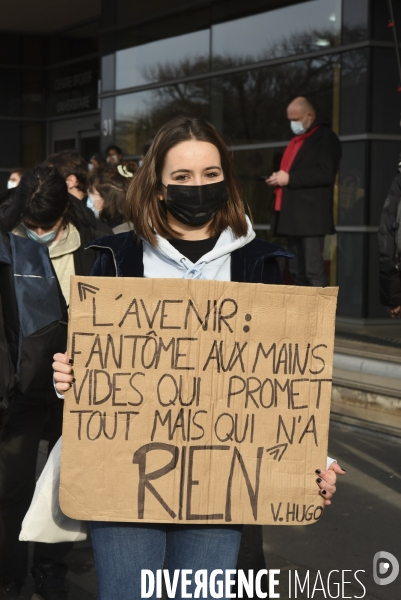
(112, 253)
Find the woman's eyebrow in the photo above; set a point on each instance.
(189, 170)
(181, 171)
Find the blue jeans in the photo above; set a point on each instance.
(122, 550)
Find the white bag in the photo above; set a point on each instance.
(44, 521)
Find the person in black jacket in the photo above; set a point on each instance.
(71, 165)
(304, 191)
(390, 261)
(41, 210)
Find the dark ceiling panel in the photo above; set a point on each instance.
(47, 16)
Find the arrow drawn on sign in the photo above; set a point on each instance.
(277, 452)
(83, 288)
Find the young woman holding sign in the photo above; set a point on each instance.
(190, 223)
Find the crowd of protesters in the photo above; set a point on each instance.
(51, 214)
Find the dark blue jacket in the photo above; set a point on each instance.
(121, 255)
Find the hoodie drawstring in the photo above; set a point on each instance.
(192, 271)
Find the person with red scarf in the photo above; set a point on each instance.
(303, 209)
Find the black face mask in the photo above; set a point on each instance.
(195, 205)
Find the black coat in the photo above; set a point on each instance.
(390, 277)
(121, 255)
(307, 203)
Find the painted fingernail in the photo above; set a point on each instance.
(73, 379)
(323, 492)
(318, 480)
(343, 470)
(318, 471)
(71, 361)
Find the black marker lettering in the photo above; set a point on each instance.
(145, 478)
(134, 304)
(191, 482)
(74, 352)
(97, 373)
(149, 320)
(165, 316)
(316, 357)
(96, 349)
(94, 316)
(252, 492)
(223, 318)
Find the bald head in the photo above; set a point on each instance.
(302, 111)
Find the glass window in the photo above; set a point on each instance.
(250, 106)
(11, 49)
(380, 18)
(355, 19)
(162, 60)
(354, 92)
(10, 102)
(384, 160)
(352, 192)
(33, 144)
(385, 97)
(351, 252)
(10, 148)
(33, 50)
(140, 115)
(375, 310)
(296, 29)
(33, 100)
(252, 167)
(108, 72)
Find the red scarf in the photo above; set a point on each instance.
(288, 158)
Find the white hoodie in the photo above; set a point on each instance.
(167, 262)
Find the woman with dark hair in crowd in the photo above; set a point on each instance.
(43, 211)
(190, 223)
(107, 189)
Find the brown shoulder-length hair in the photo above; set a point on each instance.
(112, 187)
(148, 213)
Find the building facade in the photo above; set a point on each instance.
(118, 77)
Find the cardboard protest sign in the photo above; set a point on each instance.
(196, 401)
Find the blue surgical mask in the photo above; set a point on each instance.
(11, 184)
(91, 204)
(46, 238)
(297, 127)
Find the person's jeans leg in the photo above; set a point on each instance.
(296, 264)
(204, 547)
(314, 263)
(121, 551)
(251, 555)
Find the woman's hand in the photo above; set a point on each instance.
(63, 375)
(327, 481)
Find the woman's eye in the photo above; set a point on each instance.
(212, 174)
(181, 177)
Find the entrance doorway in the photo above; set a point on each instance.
(81, 134)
